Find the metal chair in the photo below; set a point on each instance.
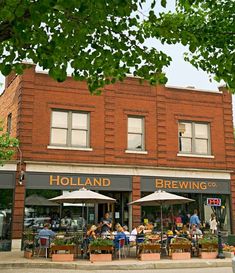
(44, 243)
(121, 248)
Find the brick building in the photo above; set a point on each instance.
(126, 143)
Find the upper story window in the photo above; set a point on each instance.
(70, 129)
(194, 138)
(135, 138)
(9, 119)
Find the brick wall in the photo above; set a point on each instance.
(31, 97)
(160, 106)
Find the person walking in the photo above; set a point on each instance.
(194, 219)
(213, 223)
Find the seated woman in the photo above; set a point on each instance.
(120, 235)
(116, 229)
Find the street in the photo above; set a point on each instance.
(194, 270)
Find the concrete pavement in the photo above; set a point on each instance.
(15, 259)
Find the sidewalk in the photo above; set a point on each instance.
(15, 259)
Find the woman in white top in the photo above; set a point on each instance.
(213, 223)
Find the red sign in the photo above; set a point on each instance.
(214, 202)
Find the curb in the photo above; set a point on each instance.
(126, 266)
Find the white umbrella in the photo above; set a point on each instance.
(83, 196)
(160, 198)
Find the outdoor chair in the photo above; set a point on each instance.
(121, 248)
(44, 244)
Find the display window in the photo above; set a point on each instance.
(70, 217)
(206, 205)
(6, 200)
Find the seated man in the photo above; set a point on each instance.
(45, 235)
(46, 232)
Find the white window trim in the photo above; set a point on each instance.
(142, 134)
(193, 138)
(136, 152)
(69, 131)
(196, 155)
(69, 148)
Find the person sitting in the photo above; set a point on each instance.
(184, 232)
(136, 235)
(44, 238)
(116, 228)
(118, 245)
(125, 229)
(46, 232)
(195, 232)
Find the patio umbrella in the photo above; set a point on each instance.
(38, 200)
(160, 198)
(83, 196)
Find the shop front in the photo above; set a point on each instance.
(210, 195)
(7, 184)
(43, 186)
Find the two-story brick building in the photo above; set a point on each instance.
(128, 142)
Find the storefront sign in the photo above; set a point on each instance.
(76, 181)
(190, 185)
(7, 180)
(214, 202)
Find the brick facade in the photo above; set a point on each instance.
(31, 97)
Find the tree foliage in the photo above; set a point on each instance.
(7, 146)
(102, 41)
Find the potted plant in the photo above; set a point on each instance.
(61, 245)
(149, 250)
(28, 244)
(101, 250)
(180, 249)
(209, 247)
(228, 251)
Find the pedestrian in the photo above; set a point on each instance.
(213, 223)
(194, 219)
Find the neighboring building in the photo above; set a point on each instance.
(130, 141)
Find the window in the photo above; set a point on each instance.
(135, 137)
(194, 138)
(70, 129)
(9, 118)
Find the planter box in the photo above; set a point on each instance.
(181, 256)
(149, 256)
(101, 248)
(209, 255)
(28, 254)
(228, 254)
(100, 257)
(151, 248)
(62, 257)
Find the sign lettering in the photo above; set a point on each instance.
(172, 184)
(78, 181)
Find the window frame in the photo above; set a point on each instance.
(69, 129)
(194, 138)
(9, 123)
(142, 118)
